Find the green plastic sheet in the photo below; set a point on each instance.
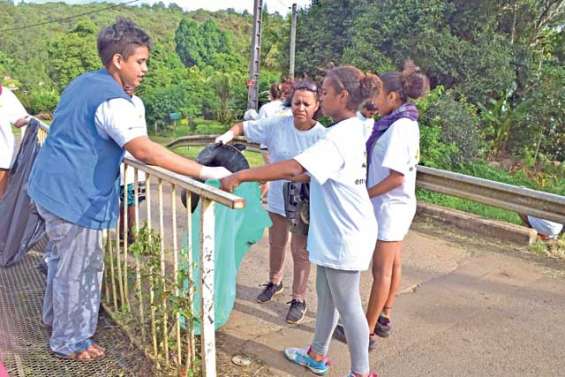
(236, 231)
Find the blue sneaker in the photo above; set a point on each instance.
(300, 356)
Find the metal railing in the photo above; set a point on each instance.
(196, 140)
(519, 199)
(149, 285)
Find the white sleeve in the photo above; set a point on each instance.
(322, 160)
(15, 108)
(263, 112)
(120, 120)
(259, 131)
(400, 154)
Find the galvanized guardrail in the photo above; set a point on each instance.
(195, 140)
(519, 199)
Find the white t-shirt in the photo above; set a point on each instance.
(343, 228)
(273, 109)
(10, 111)
(284, 142)
(368, 122)
(130, 174)
(397, 149)
(120, 120)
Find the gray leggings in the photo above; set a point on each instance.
(338, 292)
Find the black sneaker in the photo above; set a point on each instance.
(270, 290)
(384, 326)
(339, 334)
(372, 342)
(296, 312)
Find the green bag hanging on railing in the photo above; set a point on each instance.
(236, 230)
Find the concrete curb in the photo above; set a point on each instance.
(496, 230)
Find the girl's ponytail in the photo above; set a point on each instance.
(370, 86)
(359, 85)
(414, 83)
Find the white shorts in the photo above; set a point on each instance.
(394, 221)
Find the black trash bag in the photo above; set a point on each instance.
(227, 155)
(21, 227)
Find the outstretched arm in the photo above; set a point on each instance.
(225, 138)
(288, 169)
(152, 153)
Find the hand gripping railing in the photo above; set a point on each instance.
(522, 200)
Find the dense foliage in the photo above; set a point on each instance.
(496, 66)
(500, 63)
(198, 66)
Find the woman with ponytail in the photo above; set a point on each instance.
(393, 150)
(342, 232)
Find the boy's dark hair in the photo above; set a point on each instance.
(359, 85)
(122, 38)
(410, 83)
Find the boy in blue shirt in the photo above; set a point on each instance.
(75, 178)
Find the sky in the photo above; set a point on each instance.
(281, 6)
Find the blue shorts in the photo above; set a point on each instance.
(131, 193)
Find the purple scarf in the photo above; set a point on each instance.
(407, 110)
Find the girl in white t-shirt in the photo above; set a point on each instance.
(342, 231)
(393, 150)
(285, 137)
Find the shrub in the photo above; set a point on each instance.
(541, 126)
(449, 132)
(40, 100)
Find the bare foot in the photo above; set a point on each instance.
(95, 351)
(77, 356)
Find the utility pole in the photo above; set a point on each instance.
(293, 20)
(254, 63)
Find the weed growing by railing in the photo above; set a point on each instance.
(167, 299)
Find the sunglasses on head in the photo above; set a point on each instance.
(309, 86)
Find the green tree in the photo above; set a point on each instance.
(324, 33)
(73, 54)
(196, 44)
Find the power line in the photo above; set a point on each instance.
(282, 3)
(69, 17)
